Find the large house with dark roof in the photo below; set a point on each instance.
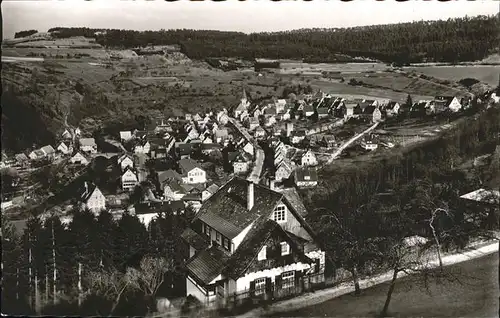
(192, 172)
(248, 240)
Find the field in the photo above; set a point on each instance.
(118, 83)
(485, 73)
(297, 67)
(475, 294)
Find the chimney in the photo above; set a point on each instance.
(250, 196)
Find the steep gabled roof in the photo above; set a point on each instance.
(253, 243)
(227, 212)
(188, 164)
(87, 142)
(207, 265)
(166, 176)
(48, 149)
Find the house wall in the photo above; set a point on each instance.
(249, 148)
(196, 176)
(307, 183)
(243, 283)
(126, 162)
(90, 149)
(455, 105)
(240, 167)
(292, 225)
(195, 290)
(97, 202)
(78, 158)
(239, 238)
(282, 173)
(147, 218)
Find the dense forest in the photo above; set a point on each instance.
(23, 34)
(111, 253)
(453, 40)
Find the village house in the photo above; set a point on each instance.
(252, 123)
(297, 136)
(253, 241)
(65, 148)
(222, 117)
(420, 108)
(283, 171)
(125, 161)
(79, 159)
(88, 145)
(305, 177)
(447, 103)
(323, 112)
(129, 179)
(49, 151)
(183, 150)
(259, 133)
(270, 121)
(22, 160)
(192, 172)
(173, 191)
(286, 115)
(242, 163)
(280, 151)
(36, 154)
(392, 109)
(148, 211)
(372, 114)
(308, 110)
(66, 134)
(257, 112)
(92, 198)
(249, 148)
(242, 106)
(308, 159)
(221, 134)
(209, 191)
(280, 105)
(125, 135)
(142, 147)
(368, 145)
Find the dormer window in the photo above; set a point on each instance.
(262, 254)
(285, 248)
(279, 214)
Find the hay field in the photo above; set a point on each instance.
(485, 73)
(293, 67)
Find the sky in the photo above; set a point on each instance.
(230, 15)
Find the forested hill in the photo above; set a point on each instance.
(453, 40)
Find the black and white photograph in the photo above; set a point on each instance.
(252, 158)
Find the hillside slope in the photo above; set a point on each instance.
(453, 40)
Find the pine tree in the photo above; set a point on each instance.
(409, 101)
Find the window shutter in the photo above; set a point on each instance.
(268, 285)
(278, 281)
(316, 265)
(252, 288)
(297, 275)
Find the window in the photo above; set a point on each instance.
(207, 230)
(218, 237)
(280, 213)
(285, 248)
(262, 253)
(287, 279)
(227, 244)
(260, 286)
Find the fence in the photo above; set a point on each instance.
(272, 292)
